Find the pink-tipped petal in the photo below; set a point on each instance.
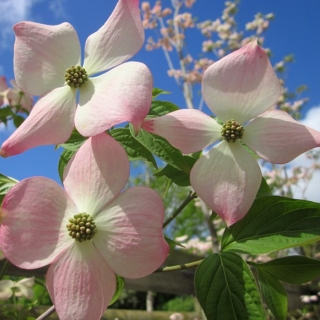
(33, 230)
(187, 130)
(42, 53)
(50, 122)
(117, 40)
(96, 173)
(227, 179)
(276, 137)
(80, 283)
(120, 95)
(241, 85)
(129, 233)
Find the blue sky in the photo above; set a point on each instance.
(296, 30)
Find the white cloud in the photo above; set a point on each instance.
(309, 191)
(13, 11)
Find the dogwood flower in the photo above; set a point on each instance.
(47, 63)
(88, 232)
(21, 288)
(14, 96)
(239, 89)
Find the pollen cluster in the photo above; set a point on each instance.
(76, 76)
(81, 227)
(232, 130)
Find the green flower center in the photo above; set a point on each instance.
(232, 130)
(81, 227)
(76, 76)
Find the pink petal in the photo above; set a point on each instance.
(96, 173)
(276, 137)
(50, 122)
(227, 179)
(241, 85)
(117, 40)
(120, 95)
(80, 283)
(186, 129)
(42, 54)
(33, 228)
(129, 233)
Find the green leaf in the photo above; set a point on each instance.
(293, 269)
(74, 142)
(264, 189)
(179, 177)
(163, 149)
(65, 157)
(156, 92)
(160, 108)
(274, 223)
(172, 244)
(18, 120)
(6, 183)
(226, 289)
(274, 295)
(134, 149)
(119, 288)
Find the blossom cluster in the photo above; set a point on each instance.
(93, 229)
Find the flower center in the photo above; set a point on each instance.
(232, 130)
(81, 227)
(76, 76)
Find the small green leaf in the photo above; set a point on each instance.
(74, 142)
(163, 149)
(172, 244)
(134, 149)
(119, 288)
(226, 289)
(6, 183)
(156, 92)
(274, 295)
(179, 177)
(160, 108)
(293, 269)
(65, 157)
(274, 223)
(18, 120)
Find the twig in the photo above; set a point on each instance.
(47, 313)
(191, 196)
(180, 266)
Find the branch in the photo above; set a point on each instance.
(180, 266)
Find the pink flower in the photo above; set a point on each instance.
(47, 63)
(120, 233)
(239, 89)
(14, 96)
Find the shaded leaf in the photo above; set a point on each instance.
(226, 289)
(6, 183)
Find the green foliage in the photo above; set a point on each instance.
(274, 223)
(157, 91)
(5, 184)
(160, 108)
(119, 288)
(226, 289)
(134, 149)
(179, 304)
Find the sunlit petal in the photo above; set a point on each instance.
(80, 283)
(241, 85)
(96, 173)
(33, 228)
(276, 137)
(42, 53)
(227, 179)
(117, 40)
(50, 122)
(129, 233)
(187, 130)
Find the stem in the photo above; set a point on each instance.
(47, 313)
(4, 268)
(190, 197)
(180, 266)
